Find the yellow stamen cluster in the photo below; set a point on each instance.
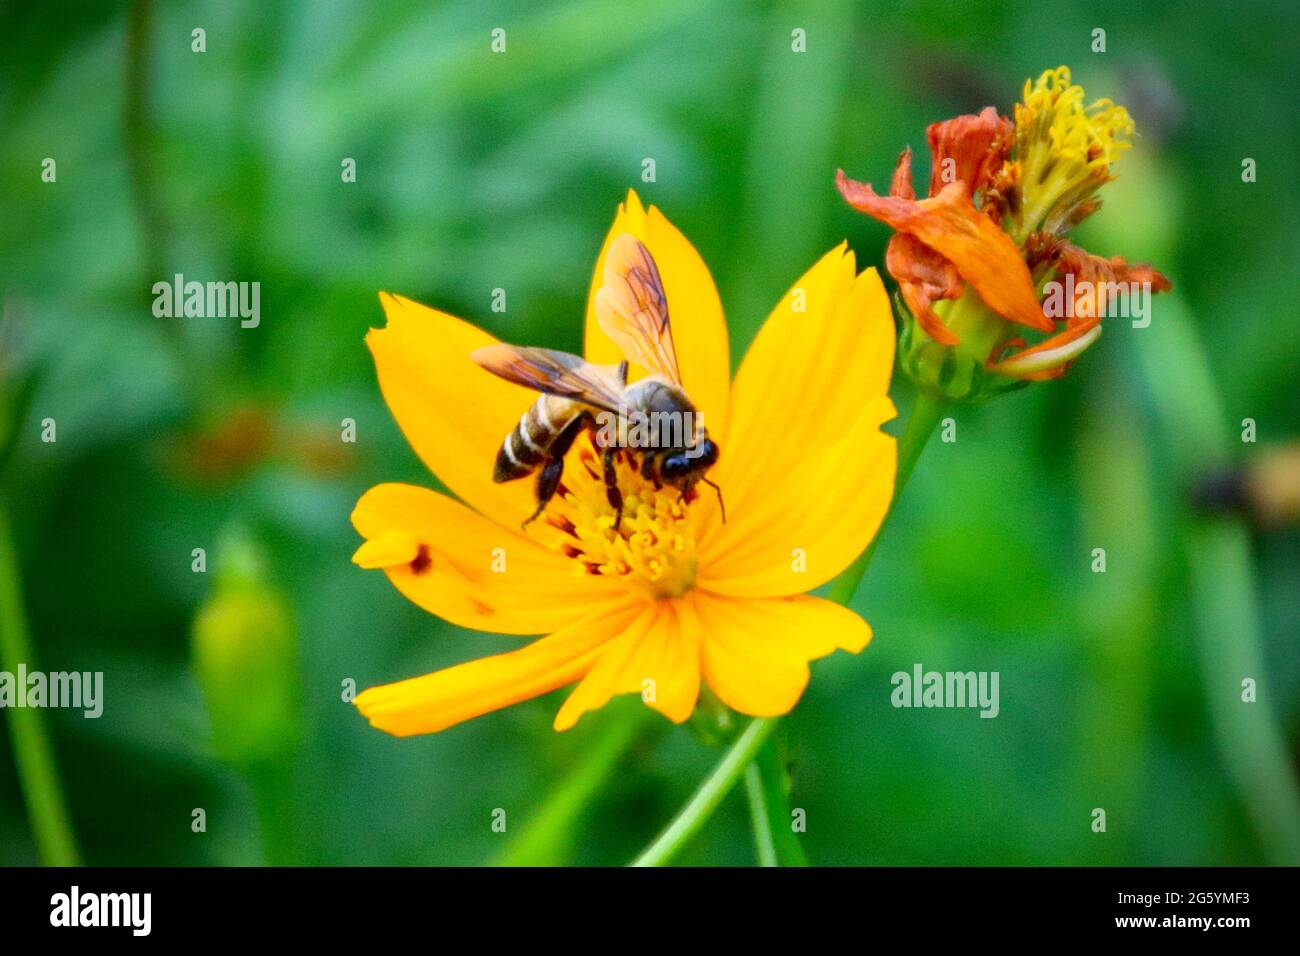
(1065, 150)
(654, 544)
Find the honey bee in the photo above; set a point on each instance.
(652, 417)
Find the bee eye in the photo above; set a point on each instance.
(674, 466)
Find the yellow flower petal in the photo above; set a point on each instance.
(452, 412)
(655, 657)
(388, 549)
(817, 516)
(825, 352)
(694, 309)
(755, 654)
(465, 569)
(424, 705)
(807, 474)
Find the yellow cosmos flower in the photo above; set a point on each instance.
(674, 594)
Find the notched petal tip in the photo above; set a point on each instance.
(387, 550)
(442, 699)
(393, 305)
(632, 201)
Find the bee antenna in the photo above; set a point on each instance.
(721, 504)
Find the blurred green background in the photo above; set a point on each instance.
(477, 171)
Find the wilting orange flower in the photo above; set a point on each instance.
(674, 594)
(1002, 197)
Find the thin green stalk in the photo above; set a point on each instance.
(927, 412)
(772, 798)
(1252, 746)
(544, 840)
(277, 802)
(710, 793)
(760, 822)
(33, 754)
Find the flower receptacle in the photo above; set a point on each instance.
(956, 373)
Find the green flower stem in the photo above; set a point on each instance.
(760, 822)
(925, 417)
(926, 414)
(710, 793)
(768, 789)
(1251, 744)
(277, 803)
(33, 754)
(545, 839)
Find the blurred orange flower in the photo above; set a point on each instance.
(1002, 197)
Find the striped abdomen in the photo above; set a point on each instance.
(526, 447)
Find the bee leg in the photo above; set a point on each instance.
(722, 505)
(523, 526)
(650, 471)
(548, 479)
(612, 494)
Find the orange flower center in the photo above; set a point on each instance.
(653, 546)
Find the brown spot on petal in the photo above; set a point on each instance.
(422, 562)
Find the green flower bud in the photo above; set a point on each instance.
(245, 656)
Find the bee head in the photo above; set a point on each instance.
(682, 466)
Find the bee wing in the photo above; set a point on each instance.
(553, 372)
(632, 308)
